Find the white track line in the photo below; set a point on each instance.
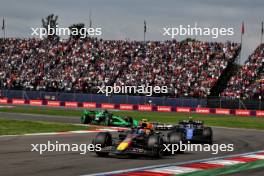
(173, 170)
(174, 164)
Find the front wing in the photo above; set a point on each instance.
(129, 151)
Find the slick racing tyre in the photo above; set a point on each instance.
(104, 139)
(86, 119)
(208, 135)
(155, 145)
(175, 138)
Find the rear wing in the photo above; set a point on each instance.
(162, 126)
(194, 122)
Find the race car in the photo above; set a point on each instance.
(137, 141)
(194, 131)
(107, 119)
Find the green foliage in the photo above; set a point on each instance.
(51, 21)
(76, 29)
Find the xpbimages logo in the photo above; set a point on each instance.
(62, 147)
(188, 147)
(142, 89)
(196, 30)
(83, 32)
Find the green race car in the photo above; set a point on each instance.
(107, 119)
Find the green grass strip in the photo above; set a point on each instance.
(228, 170)
(170, 117)
(42, 110)
(12, 127)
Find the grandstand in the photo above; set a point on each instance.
(249, 80)
(190, 68)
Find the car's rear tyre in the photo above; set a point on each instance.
(208, 135)
(176, 138)
(155, 145)
(104, 139)
(86, 119)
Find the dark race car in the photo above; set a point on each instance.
(137, 141)
(194, 131)
(107, 119)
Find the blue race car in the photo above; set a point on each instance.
(194, 131)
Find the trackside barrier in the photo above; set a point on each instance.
(18, 101)
(53, 103)
(36, 102)
(164, 108)
(89, 104)
(260, 113)
(202, 110)
(222, 111)
(72, 104)
(126, 107)
(183, 109)
(3, 101)
(144, 108)
(242, 112)
(108, 106)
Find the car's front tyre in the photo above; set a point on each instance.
(155, 145)
(86, 119)
(105, 140)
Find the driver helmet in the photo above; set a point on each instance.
(144, 120)
(141, 131)
(144, 123)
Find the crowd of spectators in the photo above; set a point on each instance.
(189, 68)
(249, 80)
(72, 65)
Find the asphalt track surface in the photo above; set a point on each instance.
(16, 157)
